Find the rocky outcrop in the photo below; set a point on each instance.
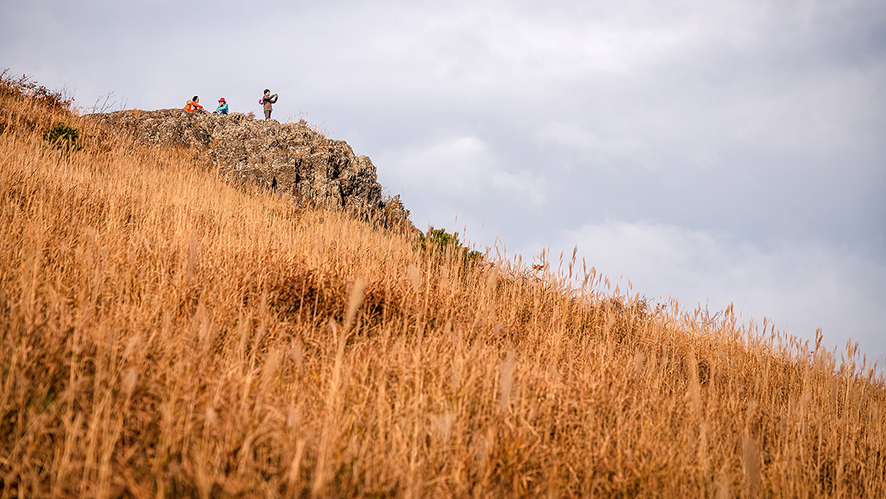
(291, 158)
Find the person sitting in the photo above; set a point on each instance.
(222, 107)
(193, 106)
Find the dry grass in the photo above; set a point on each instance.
(165, 334)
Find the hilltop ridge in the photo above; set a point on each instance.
(292, 158)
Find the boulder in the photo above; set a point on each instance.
(291, 158)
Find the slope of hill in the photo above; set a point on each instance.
(166, 333)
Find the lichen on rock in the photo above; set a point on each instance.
(289, 157)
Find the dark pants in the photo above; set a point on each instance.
(267, 114)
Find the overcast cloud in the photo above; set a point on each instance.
(716, 152)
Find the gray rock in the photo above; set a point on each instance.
(291, 158)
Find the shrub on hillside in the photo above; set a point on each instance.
(30, 107)
(63, 137)
(26, 86)
(438, 240)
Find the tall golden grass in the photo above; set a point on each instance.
(164, 334)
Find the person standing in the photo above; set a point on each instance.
(266, 102)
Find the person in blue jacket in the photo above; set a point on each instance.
(222, 107)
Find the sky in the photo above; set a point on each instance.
(713, 152)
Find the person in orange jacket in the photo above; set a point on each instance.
(193, 105)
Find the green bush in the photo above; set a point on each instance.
(439, 240)
(63, 136)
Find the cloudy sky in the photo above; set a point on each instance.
(717, 152)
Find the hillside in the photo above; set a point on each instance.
(170, 332)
